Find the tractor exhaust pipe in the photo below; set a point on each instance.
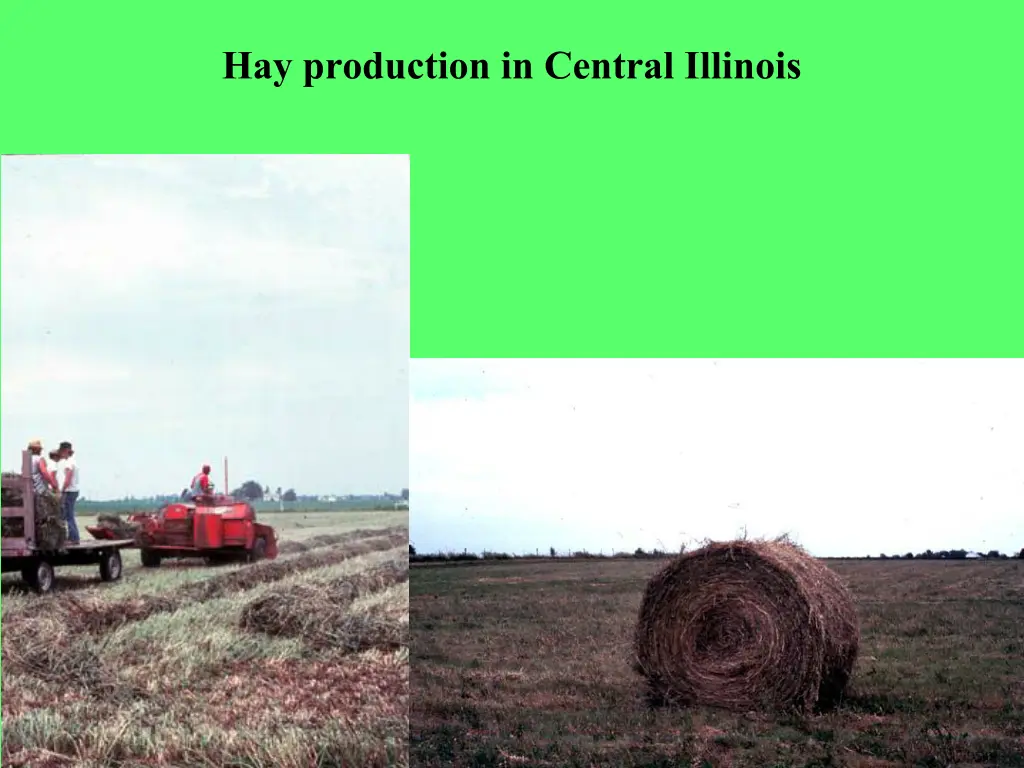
(227, 488)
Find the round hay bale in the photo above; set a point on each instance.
(747, 625)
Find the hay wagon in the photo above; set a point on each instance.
(20, 549)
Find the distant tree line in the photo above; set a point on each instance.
(951, 554)
(253, 491)
(639, 553)
(465, 555)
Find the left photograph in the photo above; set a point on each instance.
(204, 372)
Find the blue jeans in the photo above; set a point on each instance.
(67, 503)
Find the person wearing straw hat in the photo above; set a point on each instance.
(70, 495)
(43, 479)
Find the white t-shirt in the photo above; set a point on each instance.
(72, 464)
(57, 469)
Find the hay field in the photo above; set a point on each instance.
(299, 661)
(528, 664)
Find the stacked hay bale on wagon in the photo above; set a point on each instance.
(749, 624)
(11, 497)
(51, 532)
(122, 529)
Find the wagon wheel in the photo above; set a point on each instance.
(110, 566)
(39, 576)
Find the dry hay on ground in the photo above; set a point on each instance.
(42, 645)
(96, 615)
(382, 627)
(291, 547)
(319, 613)
(275, 570)
(358, 691)
(747, 625)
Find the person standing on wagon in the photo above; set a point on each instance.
(55, 465)
(70, 494)
(42, 478)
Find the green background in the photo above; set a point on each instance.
(870, 208)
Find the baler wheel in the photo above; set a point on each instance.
(150, 559)
(259, 550)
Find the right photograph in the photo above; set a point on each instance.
(717, 562)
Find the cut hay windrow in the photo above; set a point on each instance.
(747, 625)
(380, 627)
(98, 616)
(319, 613)
(275, 570)
(330, 539)
(43, 646)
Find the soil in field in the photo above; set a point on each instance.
(530, 664)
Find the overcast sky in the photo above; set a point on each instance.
(163, 311)
(850, 457)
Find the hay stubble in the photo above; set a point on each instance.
(168, 677)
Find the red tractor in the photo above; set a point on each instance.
(218, 528)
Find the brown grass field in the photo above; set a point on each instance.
(529, 664)
(298, 662)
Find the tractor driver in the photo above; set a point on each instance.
(202, 485)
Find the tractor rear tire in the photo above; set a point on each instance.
(110, 566)
(39, 576)
(259, 550)
(150, 559)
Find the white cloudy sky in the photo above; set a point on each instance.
(163, 311)
(851, 457)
